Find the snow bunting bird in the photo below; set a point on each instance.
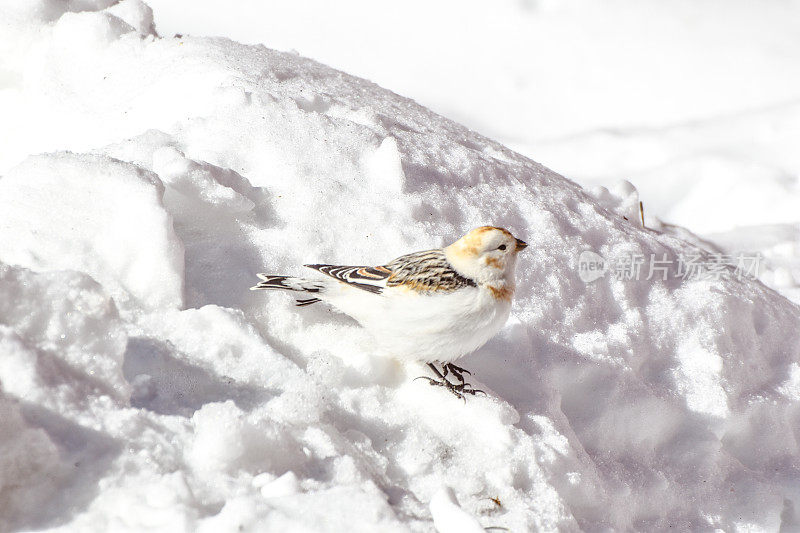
(433, 306)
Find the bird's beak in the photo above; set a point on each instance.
(521, 245)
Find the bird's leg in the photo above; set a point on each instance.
(442, 381)
(457, 390)
(457, 371)
(436, 371)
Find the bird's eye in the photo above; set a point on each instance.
(501, 247)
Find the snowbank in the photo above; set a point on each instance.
(174, 169)
(668, 96)
(97, 215)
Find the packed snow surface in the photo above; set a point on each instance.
(144, 180)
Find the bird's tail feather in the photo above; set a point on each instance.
(289, 283)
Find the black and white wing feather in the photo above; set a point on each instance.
(290, 283)
(371, 279)
(427, 271)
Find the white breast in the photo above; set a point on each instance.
(425, 327)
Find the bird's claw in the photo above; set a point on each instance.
(455, 389)
(466, 388)
(458, 390)
(457, 371)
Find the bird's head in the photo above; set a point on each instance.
(486, 254)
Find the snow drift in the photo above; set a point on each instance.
(143, 385)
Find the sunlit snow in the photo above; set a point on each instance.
(146, 178)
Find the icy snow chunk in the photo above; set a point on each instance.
(449, 517)
(47, 10)
(62, 340)
(384, 166)
(95, 215)
(74, 31)
(218, 437)
(621, 198)
(189, 183)
(285, 485)
(136, 14)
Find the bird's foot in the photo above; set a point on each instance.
(466, 388)
(457, 371)
(459, 390)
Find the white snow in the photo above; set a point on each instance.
(448, 517)
(693, 101)
(145, 179)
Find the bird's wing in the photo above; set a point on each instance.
(428, 271)
(371, 279)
